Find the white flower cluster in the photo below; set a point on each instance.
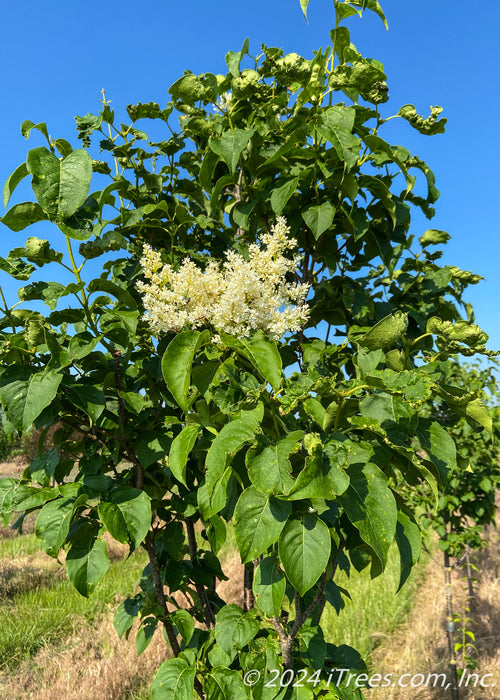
(238, 297)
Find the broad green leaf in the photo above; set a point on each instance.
(335, 125)
(216, 533)
(232, 437)
(304, 549)
(385, 332)
(60, 186)
(184, 623)
(52, 524)
(370, 506)
(7, 492)
(24, 395)
(177, 362)
(179, 451)
(234, 629)
(372, 5)
(174, 681)
(230, 145)
(145, 634)
(152, 447)
(86, 563)
(12, 182)
(82, 344)
(440, 447)
(323, 476)
(480, 414)
(26, 497)
(28, 125)
(282, 193)
(22, 215)
(434, 237)
(42, 467)
(224, 684)
(258, 521)
(262, 352)
(192, 88)
(120, 293)
(269, 468)
(409, 541)
(88, 398)
(269, 585)
(233, 58)
(319, 218)
(125, 615)
(16, 268)
(127, 516)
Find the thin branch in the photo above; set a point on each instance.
(150, 548)
(200, 589)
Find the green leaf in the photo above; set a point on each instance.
(319, 218)
(16, 268)
(82, 344)
(22, 215)
(127, 516)
(60, 186)
(24, 395)
(409, 541)
(230, 145)
(304, 4)
(304, 549)
(177, 362)
(434, 237)
(224, 684)
(440, 447)
(335, 125)
(269, 585)
(179, 452)
(234, 629)
(125, 615)
(145, 634)
(372, 5)
(184, 623)
(120, 293)
(261, 352)
(282, 193)
(90, 399)
(86, 563)
(174, 681)
(52, 524)
(7, 492)
(233, 58)
(370, 506)
(269, 468)
(232, 437)
(42, 467)
(480, 414)
(259, 519)
(385, 332)
(28, 125)
(323, 476)
(12, 182)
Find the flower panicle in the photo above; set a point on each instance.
(237, 298)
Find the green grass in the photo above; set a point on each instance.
(20, 545)
(48, 614)
(375, 609)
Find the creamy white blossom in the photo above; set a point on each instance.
(236, 297)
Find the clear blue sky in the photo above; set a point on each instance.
(57, 57)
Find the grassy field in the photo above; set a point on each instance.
(56, 644)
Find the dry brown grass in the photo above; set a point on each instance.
(27, 573)
(93, 665)
(420, 646)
